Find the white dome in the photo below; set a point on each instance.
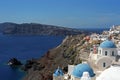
(112, 73)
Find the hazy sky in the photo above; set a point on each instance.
(69, 13)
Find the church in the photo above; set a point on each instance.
(81, 71)
(104, 55)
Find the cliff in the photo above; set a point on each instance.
(71, 51)
(36, 29)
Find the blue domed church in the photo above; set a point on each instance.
(80, 69)
(105, 55)
(58, 74)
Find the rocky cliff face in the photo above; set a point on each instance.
(36, 29)
(69, 52)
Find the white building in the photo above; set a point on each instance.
(114, 30)
(112, 73)
(105, 55)
(99, 37)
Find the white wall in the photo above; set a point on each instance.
(74, 78)
(109, 51)
(107, 60)
(70, 69)
(58, 78)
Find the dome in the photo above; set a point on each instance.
(80, 68)
(107, 44)
(58, 72)
(112, 73)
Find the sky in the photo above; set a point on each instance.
(66, 13)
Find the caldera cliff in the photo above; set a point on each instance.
(71, 51)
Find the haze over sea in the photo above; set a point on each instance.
(24, 48)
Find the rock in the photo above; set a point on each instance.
(14, 62)
(38, 67)
(30, 64)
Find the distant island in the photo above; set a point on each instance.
(36, 29)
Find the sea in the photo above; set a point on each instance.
(24, 48)
(95, 30)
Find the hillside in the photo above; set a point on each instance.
(71, 51)
(36, 29)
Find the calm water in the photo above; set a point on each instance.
(23, 48)
(95, 30)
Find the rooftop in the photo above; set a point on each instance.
(108, 44)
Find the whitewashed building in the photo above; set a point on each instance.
(99, 37)
(106, 54)
(112, 73)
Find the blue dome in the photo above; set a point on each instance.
(58, 72)
(80, 68)
(107, 44)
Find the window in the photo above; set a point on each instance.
(105, 53)
(99, 51)
(91, 49)
(113, 53)
(104, 64)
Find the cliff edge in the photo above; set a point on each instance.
(69, 52)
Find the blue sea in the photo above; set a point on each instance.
(23, 48)
(95, 30)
